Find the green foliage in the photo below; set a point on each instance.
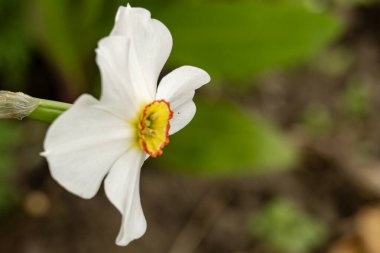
(286, 229)
(233, 40)
(9, 139)
(357, 99)
(54, 34)
(223, 140)
(236, 41)
(66, 32)
(241, 39)
(14, 55)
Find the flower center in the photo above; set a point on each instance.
(153, 127)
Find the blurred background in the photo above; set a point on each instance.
(283, 155)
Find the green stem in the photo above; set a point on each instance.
(53, 104)
(48, 110)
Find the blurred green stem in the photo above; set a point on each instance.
(48, 110)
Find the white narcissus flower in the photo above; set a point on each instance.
(110, 138)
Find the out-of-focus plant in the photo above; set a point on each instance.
(286, 229)
(66, 33)
(239, 40)
(225, 140)
(9, 139)
(234, 41)
(14, 54)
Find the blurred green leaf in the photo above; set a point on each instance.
(239, 40)
(92, 11)
(223, 140)
(14, 47)
(286, 229)
(66, 33)
(54, 32)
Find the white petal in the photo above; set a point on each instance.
(182, 116)
(83, 143)
(150, 41)
(181, 82)
(122, 189)
(121, 87)
(178, 88)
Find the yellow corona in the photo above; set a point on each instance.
(153, 127)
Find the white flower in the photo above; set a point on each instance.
(112, 137)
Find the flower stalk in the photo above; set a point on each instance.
(18, 105)
(48, 110)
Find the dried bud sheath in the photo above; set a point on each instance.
(16, 105)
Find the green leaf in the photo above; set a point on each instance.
(54, 30)
(223, 140)
(239, 40)
(91, 11)
(14, 47)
